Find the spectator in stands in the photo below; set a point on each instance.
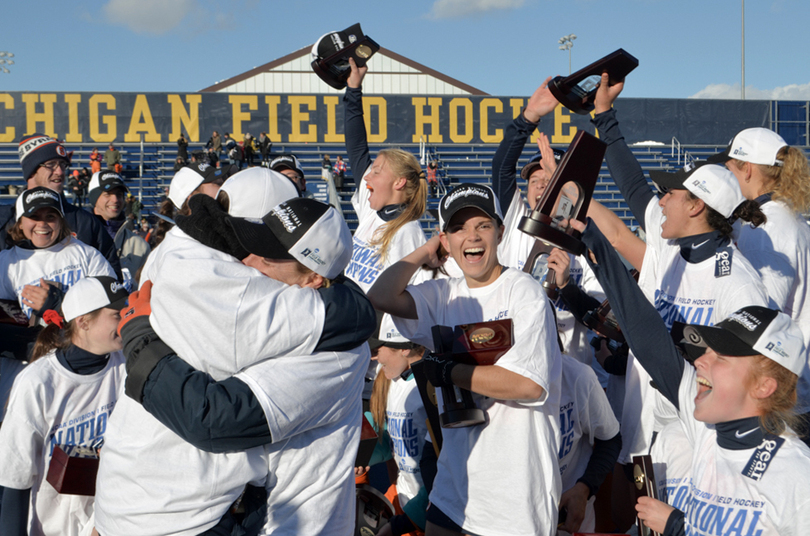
(74, 187)
(106, 196)
(265, 146)
(230, 147)
(431, 178)
(112, 157)
(213, 148)
(44, 162)
(249, 150)
(326, 168)
(179, 163)
(289, 166)
(340, 172)
(182, 147)
(84, 179)
(95, 161)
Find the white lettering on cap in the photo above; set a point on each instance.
(42, 193)
(287, 217)
(464, 193)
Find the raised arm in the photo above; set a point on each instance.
(618, 234)
(388, 294)
(504, 163)
(623, 166)
(641, 324)
(354, 126)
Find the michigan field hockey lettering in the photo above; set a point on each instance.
(365, 265)
(86, 429)
(682, 309)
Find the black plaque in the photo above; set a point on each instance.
(578, 91)
(644, 486)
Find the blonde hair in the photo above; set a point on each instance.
(379, 402)
(778, 410)
(403, 164)
(789, 182)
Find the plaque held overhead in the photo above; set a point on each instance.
(567, 196)
(577, 91)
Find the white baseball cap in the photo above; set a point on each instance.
(306, 230)
(254, 192)
(756, 145)
(188, 179)
(714, 184)
(92, 293)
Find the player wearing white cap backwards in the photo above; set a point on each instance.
(736, 406)
(229, 323)
(777, 177)
(64, 397)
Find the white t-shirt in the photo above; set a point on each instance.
(519, 443)
(366, 264)
(513, 251)
(683, 292)
(49, 406)
(775, 499)
(406, 417)
(199, 295)
(314, 411)
(585, 415)
(672, 464)
(67, 262)
(779, 250)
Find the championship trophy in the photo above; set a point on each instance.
(331, 53)
(537, 267)
(645, 486)
(578, 91)
(481, 343)
(567, 196)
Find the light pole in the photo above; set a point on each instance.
(742, 89)
(566, 43)
(4, 61)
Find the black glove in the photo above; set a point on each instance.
(401, 524)
(53, 301)
(438, 370)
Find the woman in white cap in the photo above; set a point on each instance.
(736, 405)
(196, 178)
(44, 262)
(777, 176)
(63, 398)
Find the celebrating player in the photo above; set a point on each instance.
(519, 394)
(64, 397)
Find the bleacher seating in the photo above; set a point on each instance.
(149, 172)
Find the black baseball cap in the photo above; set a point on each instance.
(534, 163)
(465, 196)
(34, 199)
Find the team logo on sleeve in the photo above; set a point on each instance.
(722, 262)
(762, 457)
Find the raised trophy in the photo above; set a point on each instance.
(537, 267)
(577, 91)
(567, 196)
(331, 53)
(644, 486)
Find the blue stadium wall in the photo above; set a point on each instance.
(90, 118)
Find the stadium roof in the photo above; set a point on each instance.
(389, 73)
